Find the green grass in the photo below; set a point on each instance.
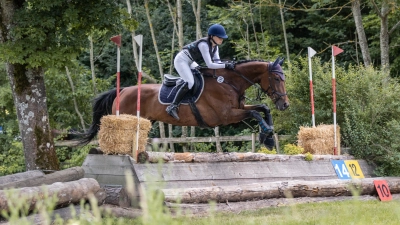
(341, 212)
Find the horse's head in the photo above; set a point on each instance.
(273, 84)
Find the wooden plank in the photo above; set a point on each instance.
(234, 170)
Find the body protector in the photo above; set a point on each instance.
(195, 51)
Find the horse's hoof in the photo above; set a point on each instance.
(269, 143)
(267, 140)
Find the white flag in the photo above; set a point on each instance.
(311, 52)
(139, 39)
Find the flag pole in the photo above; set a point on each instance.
(139, 41)
(335, 51)
(117, 41)
(311, 53)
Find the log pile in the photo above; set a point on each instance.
(68, 187)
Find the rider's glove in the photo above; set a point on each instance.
(229, 66)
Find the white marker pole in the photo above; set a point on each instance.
(139, 41)
(311, 53)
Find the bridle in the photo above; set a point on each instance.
(270, 92)
(273, 93)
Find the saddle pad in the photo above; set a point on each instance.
(167, 94)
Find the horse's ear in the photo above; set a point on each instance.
(281, 61)
(276, 62)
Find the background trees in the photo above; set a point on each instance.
(40, 38)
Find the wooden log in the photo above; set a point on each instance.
(66, 193)
(64, 213)
(115, 211)
(188, 157)
(22, 180)
(15, 179)
(288, 189)
(117, 196)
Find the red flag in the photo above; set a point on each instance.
(336, 50)
(116, 40)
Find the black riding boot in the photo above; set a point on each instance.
(173, 108)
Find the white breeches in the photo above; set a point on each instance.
(183, 65)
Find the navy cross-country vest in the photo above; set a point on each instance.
(194, 50)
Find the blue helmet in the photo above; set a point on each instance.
(217, 30)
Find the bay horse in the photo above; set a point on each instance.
(220, 102)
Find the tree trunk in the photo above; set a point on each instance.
(134, 47)
(180, 23)
(66, 193)
(284, 31)
(355, 8)
(92, 65)
(71, 84)
(29, 95)
(202, 157)
(196, 11)
(287, 189)
(383, 13)
(384, 35)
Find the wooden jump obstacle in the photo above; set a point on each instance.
(231, 177)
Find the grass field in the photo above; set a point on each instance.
(342, 212)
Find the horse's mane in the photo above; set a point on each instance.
(248, 60)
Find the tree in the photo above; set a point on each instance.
(387, 6)
(37, 35)
(355, 8)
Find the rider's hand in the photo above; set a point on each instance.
(229, 66)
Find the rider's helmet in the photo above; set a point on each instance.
(217, 30)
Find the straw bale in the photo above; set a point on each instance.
(117, 134)
(319, 140)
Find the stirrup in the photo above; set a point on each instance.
(172, 110)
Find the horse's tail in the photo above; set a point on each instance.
(102, 106)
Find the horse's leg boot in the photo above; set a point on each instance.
(267, 140)
(173, 108)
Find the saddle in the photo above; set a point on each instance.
(171, 85)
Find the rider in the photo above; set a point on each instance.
(204, 49)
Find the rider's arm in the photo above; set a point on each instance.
(203, 47)
(216, 56)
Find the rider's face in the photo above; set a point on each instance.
(217, 40)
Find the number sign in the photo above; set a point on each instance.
(341, 169)
(354, 168)
(382, 188)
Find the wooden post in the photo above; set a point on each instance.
(217, 141)
(253, 142)
(276, 143)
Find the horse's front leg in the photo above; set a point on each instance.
(264, 109)
(266, 124)
(267, 130)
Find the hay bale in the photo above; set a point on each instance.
(117, 134)
(319, 140)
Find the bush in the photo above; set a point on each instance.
(291, 149)
(308, 156)
(266, 151)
